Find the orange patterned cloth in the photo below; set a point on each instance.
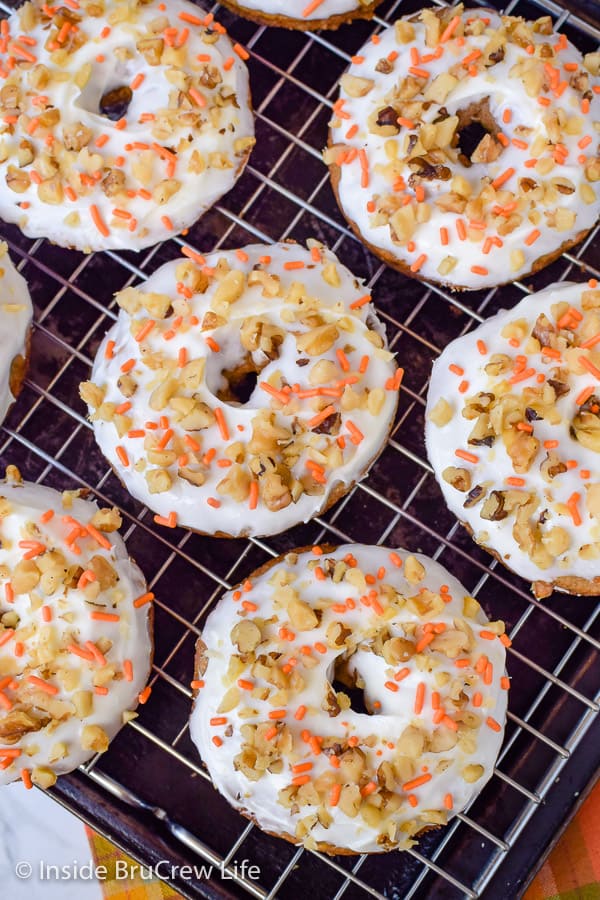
(133, 888)
(571, 872)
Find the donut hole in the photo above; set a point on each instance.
(107, 91)
(355, 694)
(476, 134)
(342, 678)
(469, 138)
(233, 373)
(114, 103)
(108, 96)
(239, 384)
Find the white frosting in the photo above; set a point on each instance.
(529, 124)
(367, 403)
(493, 465)
(45, 621)
(16, 312)
(381, 735)
(188, 126)
(301, 10)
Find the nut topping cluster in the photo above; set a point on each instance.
(74, 635)
(96, 165)
(514, 435)
(253, 385)
(280, 734)
(438, 166)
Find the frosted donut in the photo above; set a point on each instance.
(513, 435)
(120, 123)
(16, 312)
(246, 392)
(304, 15)
(75, 645)
(463, 147)
(282, 744)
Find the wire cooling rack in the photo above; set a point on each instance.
(150, 793)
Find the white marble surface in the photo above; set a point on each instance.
(36, 831)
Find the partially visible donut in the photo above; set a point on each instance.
(303, 15)
(283, 743)
(120, 122)
(246, 392)
(16, 313)
(464, 145)
(75, 644)
(513, 435)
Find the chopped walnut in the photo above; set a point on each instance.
(93, 737)
(459, 478)
(246, 636)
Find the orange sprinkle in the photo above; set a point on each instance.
(145, 330)
(17, 50)
(491, 723)
(361, 301)
(419, 698)
(368, 789)
(148, 597)
(221, 423)
(98, 221)
(334, 794)
(418, 72)
(42, 685)
(532, 237)
(572, 506)
(503, 178)
(320, 417)
(343, 360)
(253, 501)
(584, 395)
(479, 270)
(521, 376)
(419, 262)
(356, 436)
(505, 683)
(122, 454)
(464, 454)
(25, 776)
(482, 348)
(417, 782)
(315, 746)
(104, 617)
(301, 779)
(589, 365)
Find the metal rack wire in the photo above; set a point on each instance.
(150, 792)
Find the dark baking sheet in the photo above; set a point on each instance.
(149, 793)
